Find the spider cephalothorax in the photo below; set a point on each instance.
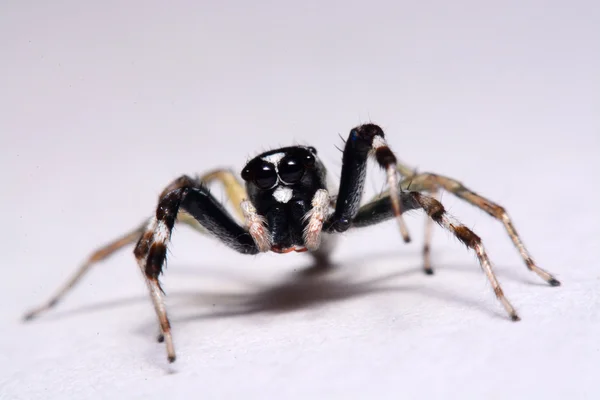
(282, 184)
(285, 206)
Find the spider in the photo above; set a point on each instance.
(285, 206)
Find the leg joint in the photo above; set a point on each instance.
(168, 206)
(143, 245)
(155, 260)
(467, 236)
(340, 225)
(498, 292)
(385, 156)
(178, 183)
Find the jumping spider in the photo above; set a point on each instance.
(286, 206)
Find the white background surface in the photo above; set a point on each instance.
(101, 105)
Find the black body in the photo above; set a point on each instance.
(296, 170)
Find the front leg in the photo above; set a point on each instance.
(151, 250)
(235, 193)
(364, 141)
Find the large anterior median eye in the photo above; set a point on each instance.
(265, 176)
(291, 169)
(261, 173)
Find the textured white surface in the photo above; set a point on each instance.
(103, 103)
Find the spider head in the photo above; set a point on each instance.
(284, 173)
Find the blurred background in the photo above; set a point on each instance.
(103, 104)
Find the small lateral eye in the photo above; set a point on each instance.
(247, 174)
(291, 169)
(312, 149)
(265, 176)
(309, 160)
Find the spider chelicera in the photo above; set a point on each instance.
(285, 206)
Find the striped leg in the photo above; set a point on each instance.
(234, 190)
(197, 201)
(380, 210)
(98, 255)
(427, 244)
(432, 183)
(436, 212)
(363, 142)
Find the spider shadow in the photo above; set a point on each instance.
(315, 285)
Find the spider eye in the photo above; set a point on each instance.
(265, 176)
(247, 174)
(291, 169)
(309, 160)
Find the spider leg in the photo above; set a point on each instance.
(363, 142)
(234, 190)
(432, 182)
(98, 255)
(427, 244)
(197, 201)
(381, 209)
